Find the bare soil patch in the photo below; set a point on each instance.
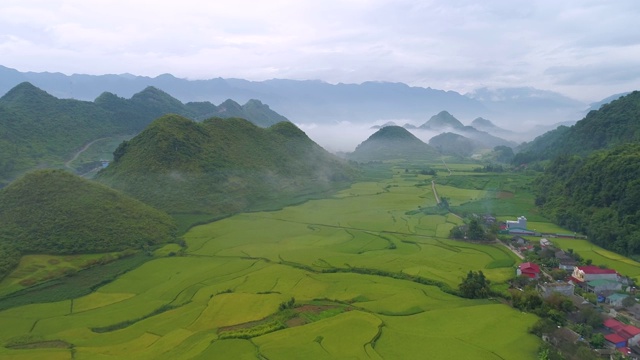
(504, 195)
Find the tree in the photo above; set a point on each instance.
(558, 274)
(475, 230)
(597, 341)
(456, 233)
(628, 302)
(474, 286)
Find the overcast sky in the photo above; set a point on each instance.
(584, 49)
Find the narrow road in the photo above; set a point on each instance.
(445, 165)
(512, 249)
(435, 193)
(84, 148)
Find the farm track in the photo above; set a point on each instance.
(79, 152)
(435, 193)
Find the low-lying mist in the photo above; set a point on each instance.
(345, 136)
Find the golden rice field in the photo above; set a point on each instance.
(354, 253)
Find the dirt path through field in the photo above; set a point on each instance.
(435, 193)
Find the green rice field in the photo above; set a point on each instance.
(351, 276)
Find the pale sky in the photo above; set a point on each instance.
(584, 49)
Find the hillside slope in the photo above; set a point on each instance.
(39, 130)
(393, 142)
(56, 212)
(613, 124)
(598, 195)
(221, 166)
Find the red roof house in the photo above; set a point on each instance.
(613, 324)
(623, 335)
(628, 331)
(591, 272)
(616, 340)
(529, 269)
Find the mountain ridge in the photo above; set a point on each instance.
(308, 101)
(40, 130)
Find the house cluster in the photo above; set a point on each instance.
(605, 283)
(621, 336)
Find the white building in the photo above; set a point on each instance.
(521, 223)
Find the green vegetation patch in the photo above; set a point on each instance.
(55, 212)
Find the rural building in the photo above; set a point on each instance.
(602, 285)
(521, 223)
(565, 261)
(529, 269)
(583, 274)
(616, 340)
(545, 243)
(615, 300)
(562, 335)
(563, 288)
(621, 335)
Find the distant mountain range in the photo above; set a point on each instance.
(320, 102)
(40, 130)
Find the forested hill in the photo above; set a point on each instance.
(393, 142)
(39, 130)
(598, 195)
(221, 166)
(56, 212)
(613, 124)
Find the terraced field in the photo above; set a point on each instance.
(353, 276)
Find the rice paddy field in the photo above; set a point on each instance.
(360, 275)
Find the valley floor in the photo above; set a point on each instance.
(359, 275)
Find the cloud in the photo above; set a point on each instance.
(455, 45)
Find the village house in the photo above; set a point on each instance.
(521, 223)
(528, 269)
(565, 262)
(518, 227)
(602, 285)
(583, 274)
(616, 299)
(621, 335)
(563, 288)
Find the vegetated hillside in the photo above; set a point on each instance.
(56, 212)
(221, 166)
(489, 127)
(454, 144)
(393, 142)
(444, 121)
(598, 195)
(615, 123)
(39, 130)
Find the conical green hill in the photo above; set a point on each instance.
(393, 142)
(56, 212)
(221, 166)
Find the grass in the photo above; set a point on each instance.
(76, 285)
